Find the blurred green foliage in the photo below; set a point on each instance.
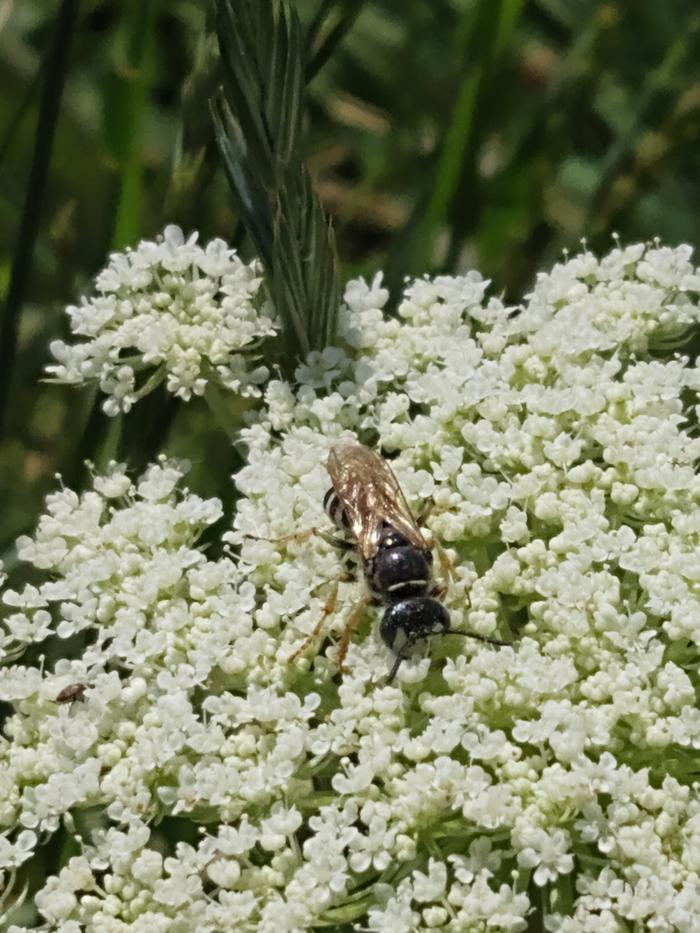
(441, 135)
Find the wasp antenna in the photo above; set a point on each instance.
(484, 638)
(392, 673)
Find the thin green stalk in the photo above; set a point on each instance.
(452, 203)
(135, 82)
(323, 35)
(126, 110)
(145, 430)
(93, 435)
(55, 68)
(316, 26)
(19, 114)
(547, 140)
(457, 191)
(626, 162)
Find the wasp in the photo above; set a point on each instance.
(366, 503)
(73, 693)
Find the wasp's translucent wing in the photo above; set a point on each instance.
(371, 497)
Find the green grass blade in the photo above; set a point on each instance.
(55, 69)
(327, 30)
(456, 202)
(131, 101)
(655, 117)
(483, 38)
(258, 126)
(18, 117)
(250, 189)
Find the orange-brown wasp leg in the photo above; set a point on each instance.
(350, 626)
(425, 511)
(448, 568)
(484, 638)
(292, 536)
(301, 536)
(328, 609)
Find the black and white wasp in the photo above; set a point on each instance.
(365, 502)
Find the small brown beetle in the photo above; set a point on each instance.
(73, 693)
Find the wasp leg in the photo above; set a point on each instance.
(426, 509)
(328, 609)
(448, 568)
(484, 638)
(342, 544)
(300, 536)
(350, 625)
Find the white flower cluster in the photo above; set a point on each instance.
(551, 783)
(168, 310)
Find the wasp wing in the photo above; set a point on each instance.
(371, 496)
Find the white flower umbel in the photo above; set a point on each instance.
(168, 310)
(548, 784)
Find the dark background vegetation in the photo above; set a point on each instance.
(441, 135)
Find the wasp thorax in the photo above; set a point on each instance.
(399, 572)
(391, 538)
